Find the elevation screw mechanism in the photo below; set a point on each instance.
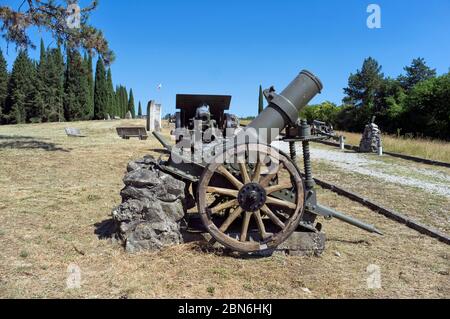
(293, 151)
(306, 131)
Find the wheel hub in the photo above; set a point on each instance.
(252, 197)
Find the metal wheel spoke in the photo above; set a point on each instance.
(244, 173)
(279, 202)
(278, 188)
(233, 180)
(260, 223)
(223, 191)
(257, 173)
(224, 206)
(273, 217)
(233, 216)
(245, 224)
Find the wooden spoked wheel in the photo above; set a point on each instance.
(237, 203)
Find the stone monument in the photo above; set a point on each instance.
(371, 141)
(154, 116)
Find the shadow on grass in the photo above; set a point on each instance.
(28, 143)
(106, 229)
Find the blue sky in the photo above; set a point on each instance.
(231, 47)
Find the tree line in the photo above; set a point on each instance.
(416, 103)
(57, 89)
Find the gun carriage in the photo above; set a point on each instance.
(250, 196)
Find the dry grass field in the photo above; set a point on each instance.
(425, 148)
(55, 192)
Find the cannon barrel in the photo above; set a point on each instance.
(163, 141)
(284, 108)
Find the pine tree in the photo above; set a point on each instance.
(112, 110)
(261, 100)
(140, 110)
(21, 90)
(417, 72)
(131, 107)
(76, 100)
(100, 91)
(3, 84)
(362, 89)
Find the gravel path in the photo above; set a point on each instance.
(429, 180)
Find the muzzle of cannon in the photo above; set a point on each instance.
(284, 108)
(256, 205)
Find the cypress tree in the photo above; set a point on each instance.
(131, 107)
(42, 52)
(117, 101)
(111, 95)
(3, 84)
(125, 101)
(261, 100)
(100, 91)
(76, 88)
(41, 87)
(57, 79)
(19, 106)
(90, 80)
(122, 101)
(140, 110)
(52, 86)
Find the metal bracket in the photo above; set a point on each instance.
(269, 94)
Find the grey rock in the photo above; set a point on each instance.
(150, 160)
(175, 211)
(128, 210)
(153, 205)
(147, 163)
(133, 166)
(137, 193)
(142, 178)
(153, 236)
(173, 186)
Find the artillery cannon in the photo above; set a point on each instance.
(250, 196)
(203, 113)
